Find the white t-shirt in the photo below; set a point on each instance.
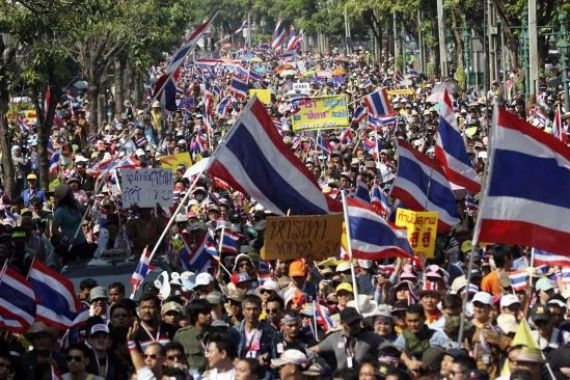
(145, 374)
(213, 374)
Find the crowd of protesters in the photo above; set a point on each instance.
(286, 319)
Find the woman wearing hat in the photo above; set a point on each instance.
(69, 241)
(79, 194)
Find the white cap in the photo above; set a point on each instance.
(99, 327)
(139, 152)
(508, 300)
(270, 285)
(365, 264)
(483, 297)
(295, 357)
(204, 279)
(343, 266)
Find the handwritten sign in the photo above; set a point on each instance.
(293, 237)
(422, 230)
(325, 112)
(146, 187)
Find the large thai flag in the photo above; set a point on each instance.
(378, 103)
(230, 242)
(361, 192)
(57, 304)
(255, 160)
(279, 34)
(359, 115)
(422, 185)
(557, 127)
(450, 150)
(546, 258)
(371, 237)
(526, 200)
(142, 269)
(165, 91)
(239, 87)
(17, 302)
(291, 42)
(223, 106)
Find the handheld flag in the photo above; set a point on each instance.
(278, 35)
(378, 103)
(142, 269)
(17, 302)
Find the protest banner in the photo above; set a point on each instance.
(263, 94)
(400, 91)
(422, 230)
(146, 187)
(172, 161)
(325, 112)
(293, 237)
(302, 88)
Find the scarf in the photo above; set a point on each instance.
(416, 344)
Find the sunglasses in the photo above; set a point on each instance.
(72, 358)
(272, 311)
(175, 357)
(150, 356)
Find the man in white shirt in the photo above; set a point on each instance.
(220, 354)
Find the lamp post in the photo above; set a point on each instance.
(563, 48)
(467, 53)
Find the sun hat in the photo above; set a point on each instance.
(96, 293)
(295, 357)
(204, 279)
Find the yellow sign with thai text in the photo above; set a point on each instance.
(263, 94)
(401, 91)
(325, 112)
(421, 230)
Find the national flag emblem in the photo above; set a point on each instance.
(378, 103)
(519, 280)
(239, 87)
(141, 142)
(142, 269)
(198, 260)
(359, 115)
(361, 192)
(230, 242)
(53, 162)
(546, 258)
(379, 201)
(17, 302)
(223, 106)
(324, 145)
(178, 57)
(323, 318)
(292, 40)
(382, 121)
(450, 150)
(279, 34)
(23, 125)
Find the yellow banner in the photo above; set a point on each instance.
(170, 162)
(264, 95)
(401, 91)
(325, 112)
(422, 230)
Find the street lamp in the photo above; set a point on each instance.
(563, 46)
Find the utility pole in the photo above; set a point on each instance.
(396, 39)
(442, 47)
(563, 49)
(420, 43)
(532, 47)
(346, 31)
(467, 53)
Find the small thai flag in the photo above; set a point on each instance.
(199, 259)
(323, 317)
(230, 242)
(223, 106)
(142, 269)
(23, 125)
(398, 77)
(359, 115)
(262, 278)
(141, 142)
(254, 76)
(324, 145)
(239, 87)
(378, 103)
(379, 200)
(346, 136)
(54, 164)
(519, 280)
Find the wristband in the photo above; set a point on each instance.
(132, 345)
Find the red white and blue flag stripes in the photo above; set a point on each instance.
(17, 302)
(292, 41)
(53, 163)
(450, 150)
(165, 91)
(23, 125)
(519, 280)
(422, 185)
(359, 115)
(371, 237)
(379, 201)
(230, 242)
(223, 106)
(142, 269)
(558, 130)
(323, 318)
(57, 304)
(382, 121)
(199, 259)
(361, 192)
(279, 34)
(526, 198)
(239, 87)
(378, 103)
(254, 160)
(324, 144)
(546, 258)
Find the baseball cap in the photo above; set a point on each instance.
(99, 328)
(171, 306)
(96, 293)
(349, 315)
(343, 267)
(508, 300)
(482, 297)
(295, 357)
(270, 285)
(31, 177)
(204, 279)
(540, 313)
(297, 269)
(344, 286)
(544, 284)
(214, 297)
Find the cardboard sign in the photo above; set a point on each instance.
(293, 237)
(146, 187)
(422, 230)
(172, 161)
(325, 112)
(263, 94)
(302, 88)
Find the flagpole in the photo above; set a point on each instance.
(315, 320)
(349, 246)
(220, 244)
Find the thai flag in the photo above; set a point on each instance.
(223, 106)
(519, 280)
(346, 136)
(57, 304)
(292, 40)
(217, 90)
(92, 138)
(298, 40)
(324, 145)
(526, 198)
(239, 87)
(546, 258)
(254, 160)
(361, 192)
(199, 259)
(379, 201)
(141, 142)
(178, 57)
(242, 27)
(471, 204)
(381, 121)
(372, 147)
(422, 185)
(398, 77)
(378, 103)
(359, 115)
(323, 318)
(278, 34)
(142, 269)
(230, 242)
(557, 127)
(199, 144)
(165, 90)
(565, 276)
(23, 125)
(450, 150)
(53, 162)
(262, 278)
(371, 237)
(17, 302)
(254, 76)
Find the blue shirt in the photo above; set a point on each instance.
(28, 195)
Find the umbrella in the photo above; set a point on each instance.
(339, 72)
